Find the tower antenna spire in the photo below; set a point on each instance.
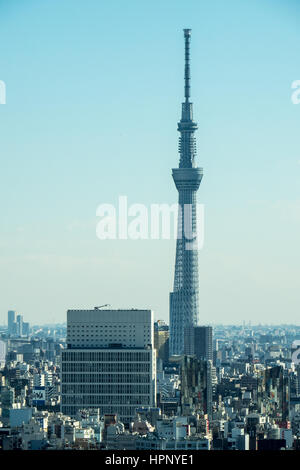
(187, 72)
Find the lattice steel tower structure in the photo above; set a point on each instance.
(184, 300)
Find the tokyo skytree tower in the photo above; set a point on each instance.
(184, 300)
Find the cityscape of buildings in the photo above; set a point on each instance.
(106, 381)
(118, 379)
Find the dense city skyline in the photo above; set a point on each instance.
(236, 388)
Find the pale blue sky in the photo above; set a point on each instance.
(94, 91)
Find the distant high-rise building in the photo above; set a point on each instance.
(3, 350)
(26, 329)
(184, 300)
(161, 341)
(273, 393)
(11, 318)
(195, 385)
(198, 341)
(109, 363)
(19, 325)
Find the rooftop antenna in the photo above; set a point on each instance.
(187, 72)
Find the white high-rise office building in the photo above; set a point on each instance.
(109, 362)
(3, 351)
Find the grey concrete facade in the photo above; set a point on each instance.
(109, 363)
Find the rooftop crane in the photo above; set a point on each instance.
(101, 306)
